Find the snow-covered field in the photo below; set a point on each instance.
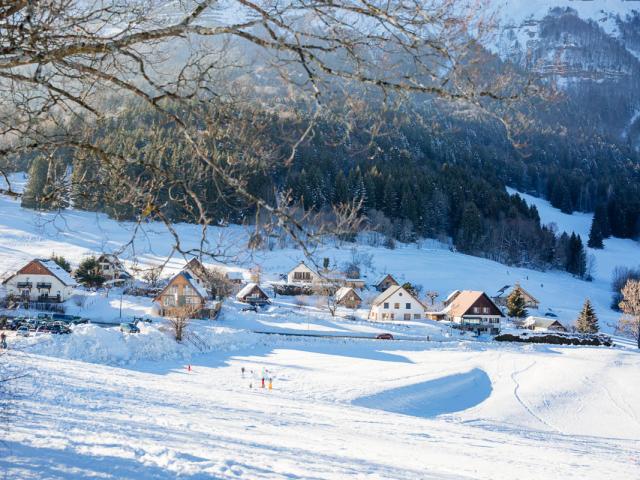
(101, 404)
(338, 409)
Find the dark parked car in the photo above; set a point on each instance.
(250, 308)
(384, 336)
(129, 328)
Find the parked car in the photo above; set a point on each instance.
(250, 308)
(23, 331)
(59, 329)
(384, 336)
(129, 328)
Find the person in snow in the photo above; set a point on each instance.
(242, 370)
(3, 341)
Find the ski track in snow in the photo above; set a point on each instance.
(523, 403)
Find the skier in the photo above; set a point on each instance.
(262, 382)
(3, 341)
(242, 370)
(271, 384)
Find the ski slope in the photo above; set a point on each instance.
(338, 409)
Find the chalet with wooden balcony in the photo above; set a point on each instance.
(40, 281)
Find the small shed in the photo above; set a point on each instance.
(252, 293)
(348, 297)
(544, 324)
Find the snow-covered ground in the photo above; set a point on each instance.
(338, 409)
(102, 404)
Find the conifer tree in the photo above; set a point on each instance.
(88, 273)
(34, 192)
(62, 262)
(595, 235)
(516, 303)
(587, 320)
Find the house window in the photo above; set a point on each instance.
(400, 293)
(386, 305)
(416, 316)
(393, 316)
(173, 289)
(408, 306)
(396, 306)
(302, 275)
(485, 310)
(168, 301)
(407, 316)
(476, 309)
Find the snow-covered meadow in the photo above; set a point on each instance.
(101, 404)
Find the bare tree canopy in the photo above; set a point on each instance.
(70, 63)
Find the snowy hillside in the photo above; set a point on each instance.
(25, 234)
(338, 409)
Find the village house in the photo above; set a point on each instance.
(183, 293)
(111, 268)
(252, 293)
(302, 274)
(473, 311)
(385, 282)
(198, 272)
(543, 324)
(348, 297)
(235, 277)
(40, 281)
(396, 303)
(529, 300)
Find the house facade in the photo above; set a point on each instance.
(112, 269)
(348, 297)
(252, 293)
(474, 311)
(396, 303)
(385, 282)
(40, 281)
(183, 293)
(302, 274)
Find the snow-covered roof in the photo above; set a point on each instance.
(464, 301)
(59, 272)
(246, 290)
(541, 322)
(382, 277)
(235, 275)
(451, 295)
(196, 286)
(343, 291)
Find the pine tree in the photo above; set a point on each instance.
(587, 320)
(601, 217)
(62, 262)
(470, 229)
(595, 235)
(516, 303)
(88, 273)
(576, 258)
(33, 194)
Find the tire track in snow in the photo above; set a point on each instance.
(524, 404)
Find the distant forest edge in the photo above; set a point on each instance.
(446, 181)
